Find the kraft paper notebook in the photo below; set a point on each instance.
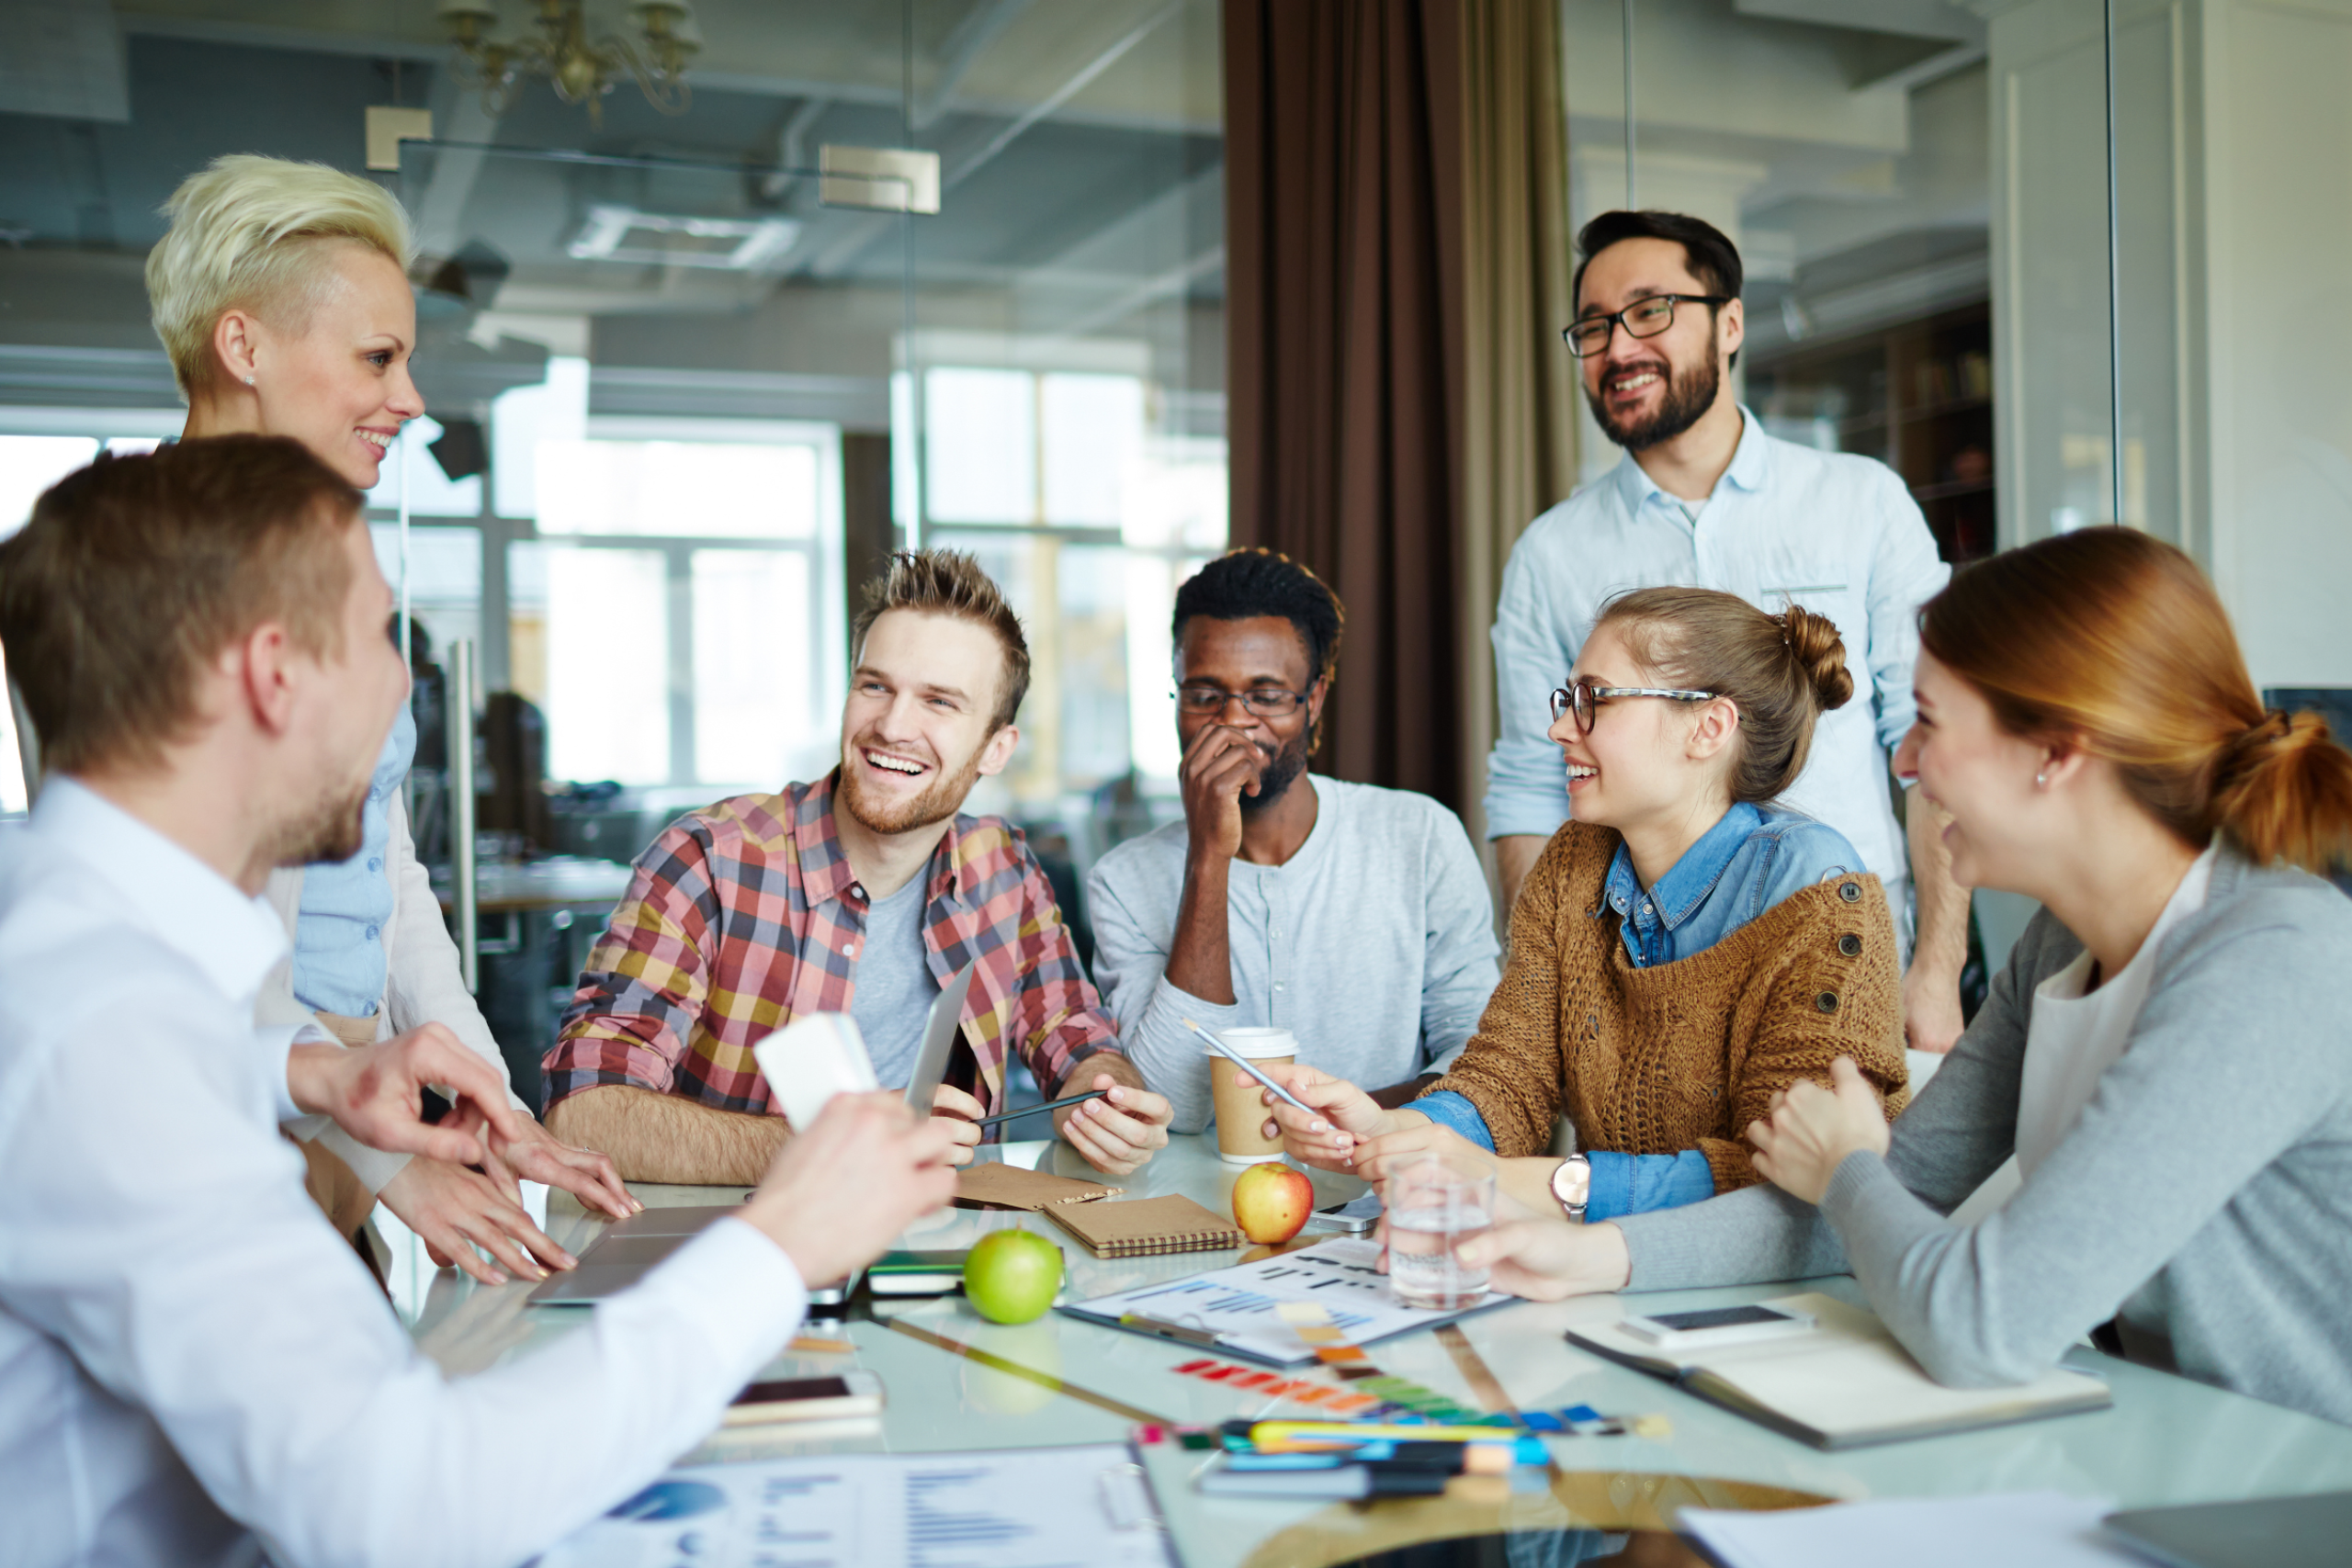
(991, 1184)
(1844, 1386)
(1145, 1226)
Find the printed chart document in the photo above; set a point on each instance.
(1082, 1508)
(1846, 1384)
(2023, 1530)
(1232, 1310)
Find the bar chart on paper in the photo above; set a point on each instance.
(1087, 1508)
(1238, 1304)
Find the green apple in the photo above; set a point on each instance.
(1011, 1275)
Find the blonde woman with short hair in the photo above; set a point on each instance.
(281, 293)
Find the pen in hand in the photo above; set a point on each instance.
(1222, 1049)
(1033, 1109)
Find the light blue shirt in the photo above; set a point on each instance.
(1835, 533)
(339, 934)
(1746, 863)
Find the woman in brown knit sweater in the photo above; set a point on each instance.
(1681, 953)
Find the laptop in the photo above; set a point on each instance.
(2267, 1532)
(629, 1249)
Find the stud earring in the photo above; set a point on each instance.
(2041, 781)
(249, 380)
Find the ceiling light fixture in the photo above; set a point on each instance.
(580, 71)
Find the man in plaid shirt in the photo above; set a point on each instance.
(756, 912)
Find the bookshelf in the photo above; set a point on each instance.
(1917, 396)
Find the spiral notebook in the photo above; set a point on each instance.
(1145, 1226)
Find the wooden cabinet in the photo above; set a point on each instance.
(1917, 396)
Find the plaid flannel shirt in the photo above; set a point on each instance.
(744, 917)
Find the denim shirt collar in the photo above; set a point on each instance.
(1751, 466)
(1687, 882)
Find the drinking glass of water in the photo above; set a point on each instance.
(1436, 1200)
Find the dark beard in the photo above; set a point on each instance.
(1687, 400)
(328, 832)
(940, 801)
(1281, 772)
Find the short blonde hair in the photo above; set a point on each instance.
(949, 582)
(241, 235)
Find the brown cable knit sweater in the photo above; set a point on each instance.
(1685, 1055)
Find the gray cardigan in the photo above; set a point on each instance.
(2206, 1192)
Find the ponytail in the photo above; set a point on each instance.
(1781, 671)
(2115, 642)
(2282, 790)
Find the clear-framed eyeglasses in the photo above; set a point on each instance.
(1643, 317)
(1264, 702)
(1583, 698)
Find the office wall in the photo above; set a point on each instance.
(2234, 199)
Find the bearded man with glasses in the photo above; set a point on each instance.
(1705, 497)
(1354, 917)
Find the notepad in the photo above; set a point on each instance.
(1846, 1385)
(1146, 1226)
(991, 1184)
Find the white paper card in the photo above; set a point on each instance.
(812, 1059)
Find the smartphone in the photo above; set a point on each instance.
(1355, 1217)
(916, 1274)
(849, 1393)
(1716, 1325)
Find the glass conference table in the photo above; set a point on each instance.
(956, 1382)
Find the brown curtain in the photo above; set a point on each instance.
(1344, 320)
(1519, 386)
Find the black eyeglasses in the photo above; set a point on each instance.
(1643, 317)
(1265, 701)
(1584, 698)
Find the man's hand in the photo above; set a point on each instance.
(1809, 1131)
(1220, 766)
(376, 1093)
(954, 1112)
(842, 1190)
(1932, 1016)
(1550, 1259)
(454, 1210)
(1344, 1116)
(1119, 1133)
(585, 1174)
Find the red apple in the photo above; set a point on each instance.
(1271, 1201)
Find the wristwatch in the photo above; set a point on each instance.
(1572, 1185)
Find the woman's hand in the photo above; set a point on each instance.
(453, 1210)
(1809, 1131)
(584, 1173)
(1550, 1259)
(1344, 1115)
(1379, 1159)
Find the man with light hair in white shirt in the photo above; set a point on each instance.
(194, 1367)
(1705, 497)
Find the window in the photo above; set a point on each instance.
(47, 445)
(1089, 519)
(679, 618)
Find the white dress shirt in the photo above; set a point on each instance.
(190, 1358)
(1833, 531)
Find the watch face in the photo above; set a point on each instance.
(1572, 1183)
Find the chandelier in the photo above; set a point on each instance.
(580, 71)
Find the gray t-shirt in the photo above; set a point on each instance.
(894, 984)
(1374, 945)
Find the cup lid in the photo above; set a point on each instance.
(1255, 1043)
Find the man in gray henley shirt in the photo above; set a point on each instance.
(1355, 916)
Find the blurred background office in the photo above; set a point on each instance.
(720, 302)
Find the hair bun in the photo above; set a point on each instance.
(1820, 652)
